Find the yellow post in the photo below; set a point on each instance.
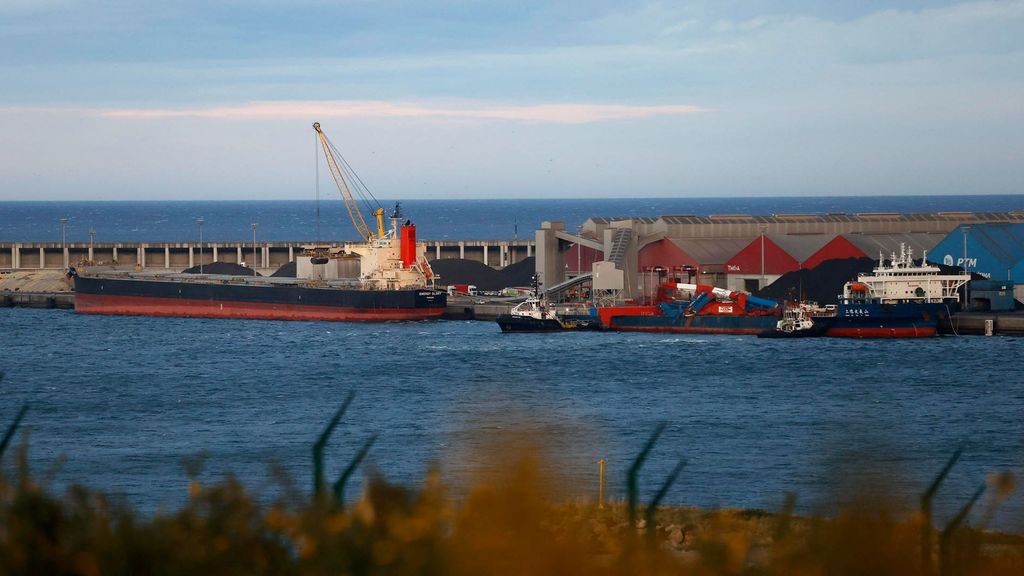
(600, 489)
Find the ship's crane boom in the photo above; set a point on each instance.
(346, 193)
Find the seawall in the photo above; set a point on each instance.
(268, 256)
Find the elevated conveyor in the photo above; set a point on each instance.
(619, 248)
(554, 293)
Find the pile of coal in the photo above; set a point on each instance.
(519, 274)
(225, 268)
(822, 284)
(288, 270)
(461, 271)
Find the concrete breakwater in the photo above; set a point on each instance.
(268, 256)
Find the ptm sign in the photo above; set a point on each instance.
(959, 262)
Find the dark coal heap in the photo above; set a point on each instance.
(459, 271)
(226, 268)
(286, 271)
(824, 283)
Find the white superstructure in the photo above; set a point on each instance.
(904, 281)
(534, 307)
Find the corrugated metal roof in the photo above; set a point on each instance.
(800, 246)
(1014, 215)
(871, 244)
(1003, 241)
(708, 251)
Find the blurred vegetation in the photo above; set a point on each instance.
(505, 523)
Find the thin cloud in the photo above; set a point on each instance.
(548, 113)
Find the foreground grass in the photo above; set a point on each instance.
(506, 522)
(505, 526)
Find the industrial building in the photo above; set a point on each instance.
(745, 252)
(994, 250)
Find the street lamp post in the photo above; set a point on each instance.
(64, 240)
(762, 227)
(254, 225)
(199, 222)
(967, 294)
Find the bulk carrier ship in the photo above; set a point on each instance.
(385, 277)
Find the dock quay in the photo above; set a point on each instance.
(50, 289)
(995, 323)
(469, 309)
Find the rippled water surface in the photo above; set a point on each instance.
(126, 398)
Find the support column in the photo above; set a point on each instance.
(550, 265)
(529, 250)
(91, 257)
(142, 256)
(67, 256)
(42, 258)
(437, 251)
(462, 249)
(191, 257)
(14, 256)
(114, 255)
(291, 254)
(504, 254)
(240, 255)
(486, 263)
(214, 252)
(167, 256)
(266, 256)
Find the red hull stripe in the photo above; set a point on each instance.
(143, 306)
(881, 332)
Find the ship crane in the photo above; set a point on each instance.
(338, 171)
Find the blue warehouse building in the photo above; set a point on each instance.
(995, 251)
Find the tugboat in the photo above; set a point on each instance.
(801, 322)
(531, 315)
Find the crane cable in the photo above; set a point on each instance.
(367, 198)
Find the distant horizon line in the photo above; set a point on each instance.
(530, 199)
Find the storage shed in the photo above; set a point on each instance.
(992, 250)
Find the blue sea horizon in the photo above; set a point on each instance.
(476, 219)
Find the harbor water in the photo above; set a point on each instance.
(126, 399)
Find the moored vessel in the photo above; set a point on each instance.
(801, 321)
(899, 300)
(531, 315)
(694, 309)
(536, 314)
(384, 277)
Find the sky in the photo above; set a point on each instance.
(215, 99)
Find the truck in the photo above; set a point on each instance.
(463, 289)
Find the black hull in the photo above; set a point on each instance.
(510, 323)
(238, 298)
